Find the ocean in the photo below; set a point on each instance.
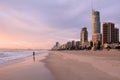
(9, 55)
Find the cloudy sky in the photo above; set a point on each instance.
(40, 23)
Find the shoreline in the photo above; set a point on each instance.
(80, 65)
(26, 69)
(64, 65)
(11, 62)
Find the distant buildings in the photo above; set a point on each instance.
(73, 45)
(109, 37)
(78, 45)
(110, 34)
(69, 45)
(56, 46)
(84, 36)
(96, 27)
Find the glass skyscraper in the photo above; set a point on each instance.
(95, 22)
(96, 26)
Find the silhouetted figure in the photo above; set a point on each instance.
(33, 56)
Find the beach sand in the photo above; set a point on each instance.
(26, 69)
(65, 65)
(84, 65)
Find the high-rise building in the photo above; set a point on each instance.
(96, 27)
(97, 37)
(116, 32)
(110, 34)
(56, 46)
(95, 22)
(84, 35)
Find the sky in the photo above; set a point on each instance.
(38, 24)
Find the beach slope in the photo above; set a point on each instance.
(84, 65)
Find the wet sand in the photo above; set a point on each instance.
(84, 65)
(26, 69)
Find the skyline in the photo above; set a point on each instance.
(39, 24)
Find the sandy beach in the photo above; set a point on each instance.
(26, 69)
(84, 65)
(65, 65)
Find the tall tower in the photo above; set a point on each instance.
(84, 36)
(96, 27)
(95, 22)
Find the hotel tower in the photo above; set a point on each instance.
(96, 27)
(84, 35)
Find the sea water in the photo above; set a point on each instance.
(8, 55)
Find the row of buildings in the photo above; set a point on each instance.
(106, 36)
(110, 34)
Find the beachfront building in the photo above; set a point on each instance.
(78, 45)
(73, 45)
(69, 45)
(110, 34)
(62, 47)
(97, 37)
(96, 27)
(56, 46)
(84, 36)
(116, 32)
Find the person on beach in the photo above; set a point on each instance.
(33, 53)
(33, 56)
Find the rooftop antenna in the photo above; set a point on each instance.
(92, 5)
